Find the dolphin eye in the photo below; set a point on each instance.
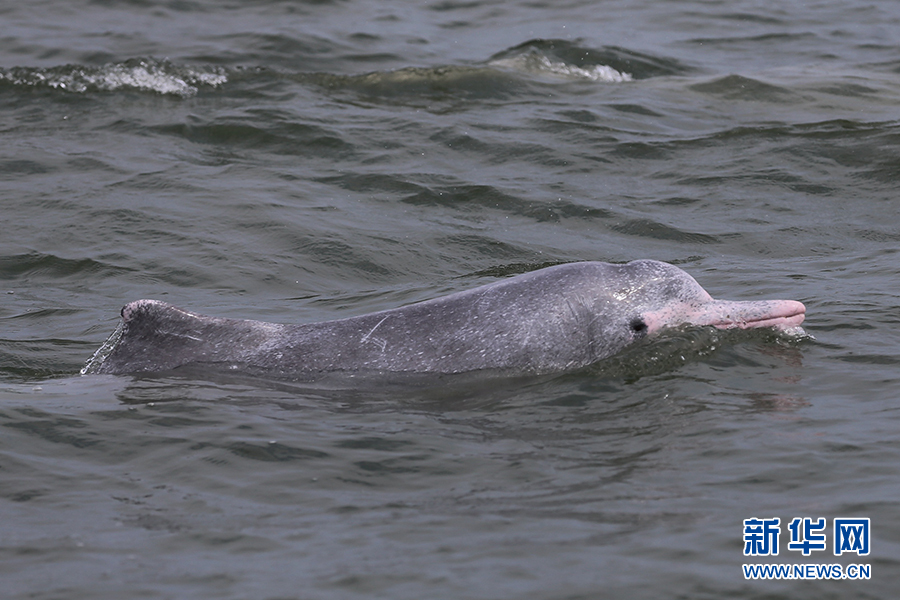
(638, 327)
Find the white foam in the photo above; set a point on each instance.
(151, 76)
(796, 333)
(538, 63)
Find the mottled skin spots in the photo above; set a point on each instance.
(546, 321)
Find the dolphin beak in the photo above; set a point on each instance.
(724, 314)
(780, 314)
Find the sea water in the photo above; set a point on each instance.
(304, 161)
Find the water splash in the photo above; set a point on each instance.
(93, 363)
(145, 75)
(796, 334)
(535, 62)
(573, 60)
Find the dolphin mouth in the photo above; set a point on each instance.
(724, 314)
(779, 314)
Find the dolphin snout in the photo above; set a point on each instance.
(780, 314)
(725, 314)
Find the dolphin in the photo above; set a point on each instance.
(546, 321)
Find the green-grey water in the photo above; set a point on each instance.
(296, 162)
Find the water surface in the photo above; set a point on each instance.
(296, 162)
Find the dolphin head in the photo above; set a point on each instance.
(652, 295)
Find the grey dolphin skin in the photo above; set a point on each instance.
(545, 321)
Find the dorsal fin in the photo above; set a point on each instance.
(156, 336)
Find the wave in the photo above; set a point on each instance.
(506, 73)
(571, 60)
(146, 75)
(510, 72)
(534, 61)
